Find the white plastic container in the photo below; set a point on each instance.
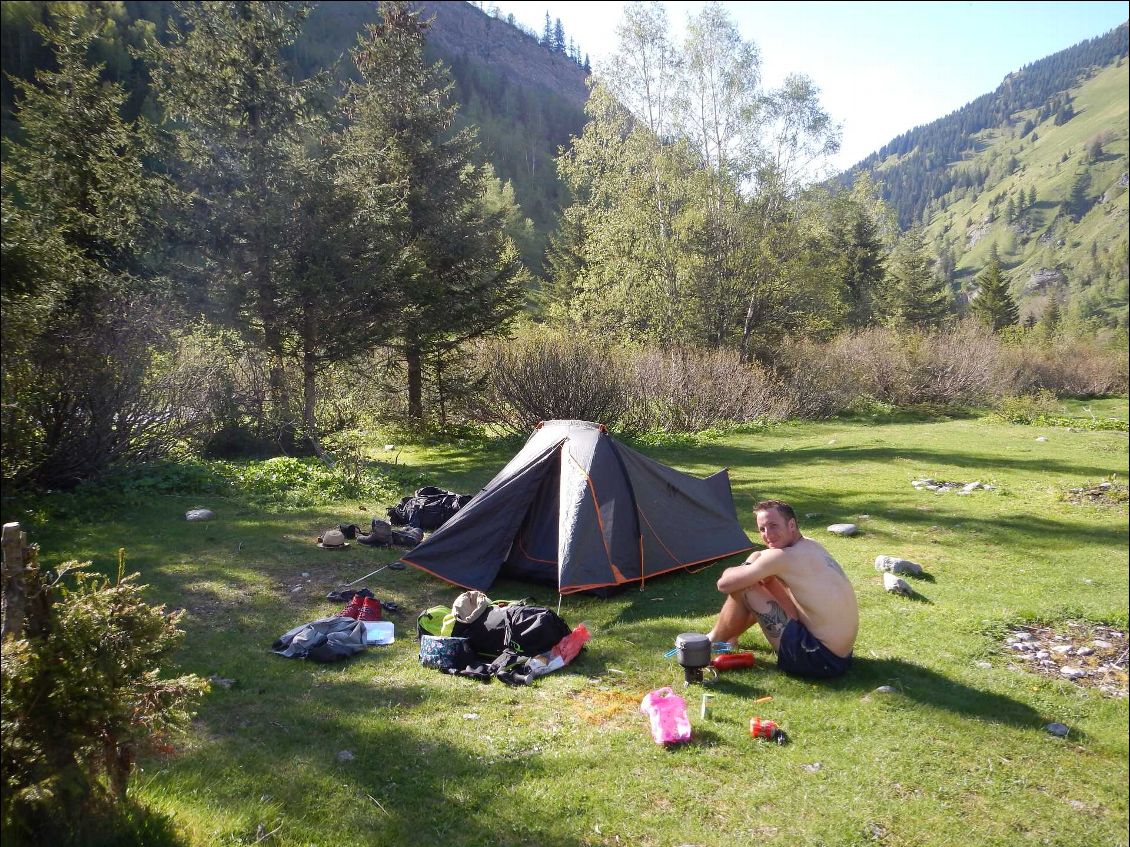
(378, 632)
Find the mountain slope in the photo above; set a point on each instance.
(1036, 170)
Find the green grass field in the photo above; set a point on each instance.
(957, 754)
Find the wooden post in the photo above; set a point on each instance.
(14, 589)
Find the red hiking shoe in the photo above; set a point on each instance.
(370, 610)
(353, 610)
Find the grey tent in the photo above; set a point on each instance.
(579, 510)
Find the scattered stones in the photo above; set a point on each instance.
(811, 515)
(1058, 729)
(815, 767)
(1104, 494)
(843, 529)
(199, 515)
(893, 564)
(470, 716)
(939, 487)
(1086, 653)
(216, 679)
(346, 756)
(895, 585)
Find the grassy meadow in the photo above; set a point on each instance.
(379, 751)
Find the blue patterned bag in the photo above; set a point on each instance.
(445, 654)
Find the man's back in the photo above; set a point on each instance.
(823, 594)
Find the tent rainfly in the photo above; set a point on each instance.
(579, 510)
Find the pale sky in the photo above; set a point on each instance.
(882, 67)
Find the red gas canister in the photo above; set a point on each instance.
(730, 661)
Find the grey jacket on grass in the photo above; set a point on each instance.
(324, 640)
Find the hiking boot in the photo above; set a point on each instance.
(370, 610)
(349, 530)
(381, 530)
(353, 610)
(407, 538)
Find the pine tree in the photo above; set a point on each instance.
(223, 78)
(1050, 320)
(558, 36)
(458, 275)
(915, 296)
(547, 33)
(1077, 201)
(993, 306)
(81, 210)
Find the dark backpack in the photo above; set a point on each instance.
(518, 628)
(428, 509)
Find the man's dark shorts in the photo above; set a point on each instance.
(802, 654)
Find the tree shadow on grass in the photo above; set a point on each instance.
(808, 456)
(930, 688)
(400, 784)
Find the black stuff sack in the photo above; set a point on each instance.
(428, 509)
(522, 629)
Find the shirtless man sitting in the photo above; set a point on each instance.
(797, 592)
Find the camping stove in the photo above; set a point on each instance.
(693, 652)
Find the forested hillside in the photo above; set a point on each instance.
(917, 165)
(526, 98)
(1034, 173)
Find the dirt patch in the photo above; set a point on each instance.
(598, 707)
(1089, 654)
(1103, 494)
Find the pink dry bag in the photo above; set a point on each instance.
(668, 713)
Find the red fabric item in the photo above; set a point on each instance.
(730, 661)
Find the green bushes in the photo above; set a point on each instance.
(82, 697)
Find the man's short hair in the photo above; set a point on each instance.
(781, 506)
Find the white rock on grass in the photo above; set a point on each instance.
(896, 586)
(893, 564)
(843, 529)
(1072, 673)
(1042, 438)
(970, 486)
(199, 515)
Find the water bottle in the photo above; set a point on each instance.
(668, 714)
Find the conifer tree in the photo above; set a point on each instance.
(458, 275)
(915, 296)
(993, 306)
(81, 209)
(224, 79)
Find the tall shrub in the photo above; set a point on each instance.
(82, 697)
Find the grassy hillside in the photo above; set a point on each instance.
(1048, 248)
(380, 751)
